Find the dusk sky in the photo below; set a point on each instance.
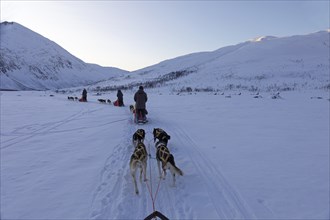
(134, 34)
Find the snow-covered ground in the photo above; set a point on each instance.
(242, 157)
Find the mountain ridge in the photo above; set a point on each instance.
(263, 63)
(277, 64)
(29, 61)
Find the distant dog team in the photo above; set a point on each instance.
(72, 98)
(100, 100)
(104, 101)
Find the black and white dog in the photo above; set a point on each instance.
(132, 108)
(104, 101)
(166, 159)
(139, 135)
(139, 159)
(161, 135)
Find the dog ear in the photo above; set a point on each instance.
(168, 137)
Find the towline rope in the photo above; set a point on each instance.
(153, 197)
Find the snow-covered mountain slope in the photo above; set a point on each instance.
(31, 61)
(263, 64)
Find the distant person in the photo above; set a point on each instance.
(84, 96)
(140, 99)
(120, 98)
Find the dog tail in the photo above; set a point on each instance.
(175, 168)
(178, 171)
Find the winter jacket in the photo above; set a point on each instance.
(120, 98)
(140, 99)
(120, 95)
(84, 94)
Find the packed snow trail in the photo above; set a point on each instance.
(226, 200)
(24, 132)
(115, 193)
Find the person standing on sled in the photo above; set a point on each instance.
(120, 98)
(140, 99)
(84, 96)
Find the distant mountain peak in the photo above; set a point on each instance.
(263, 38)
(267, 63)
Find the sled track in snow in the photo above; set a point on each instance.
(115, 192)
(232, 206)
(44, 129)
(49, 127)
(166, 202)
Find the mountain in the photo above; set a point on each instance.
(265, 63)
(29, 61)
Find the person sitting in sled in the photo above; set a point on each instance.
(120, 99)
(140, 99)
(84, 96)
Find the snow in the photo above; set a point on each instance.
(30, 61)
(272, 64)
(267, 63)
(242, 157)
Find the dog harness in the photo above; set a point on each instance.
(158, 132)
(140, 152)
(139, 132)
(163, 153)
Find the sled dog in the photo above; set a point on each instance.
(161, 135)
(138, 136)
(102, 100)
(132, 109)
(166, 159)
(70, 98)
(139, 161)
(109, 101)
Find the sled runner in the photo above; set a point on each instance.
(140, 120)
(139, 117)
(118, 103)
